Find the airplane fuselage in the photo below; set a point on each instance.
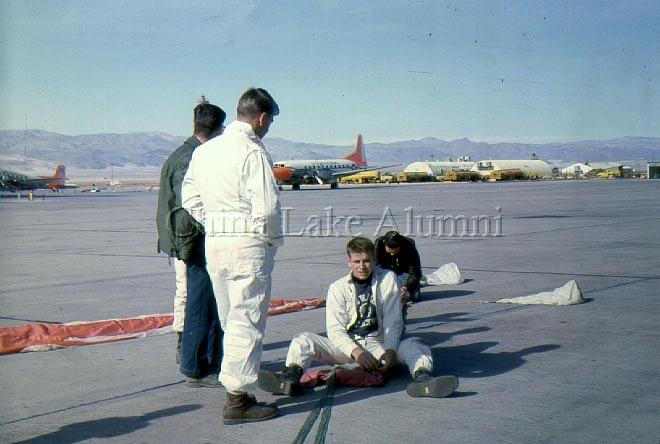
(322, 171)
(13, 181)
(318, 164)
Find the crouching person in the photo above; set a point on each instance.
(398, 253)
(364, 325)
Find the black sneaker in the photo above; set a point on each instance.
(288, 383)
(425, 385)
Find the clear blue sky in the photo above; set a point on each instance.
(393, 70)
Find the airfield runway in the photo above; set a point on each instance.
(528, 374)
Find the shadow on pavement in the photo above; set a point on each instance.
(445, 294)
(434, 338)
(284, 344)
(493, 363)
(346, 395)
(465, 361)
(472, 361)
(437, 320)
(107, 427)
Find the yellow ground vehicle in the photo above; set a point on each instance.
(608, 174)
(510, 174)
(362, 177)
(387, 177)
(461, 176)
(403, 177)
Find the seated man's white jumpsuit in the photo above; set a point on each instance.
(402, 278)
(231, 190)
(341, 313)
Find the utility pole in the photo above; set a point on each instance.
(26, 137)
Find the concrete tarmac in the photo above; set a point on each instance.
(544, 374)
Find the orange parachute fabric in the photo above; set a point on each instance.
(345, 377)
(48, 336)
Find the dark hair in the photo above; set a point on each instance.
(393, 239)
(360, 245)
(255, 101)
(208, 119)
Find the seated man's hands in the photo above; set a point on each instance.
(365, 359)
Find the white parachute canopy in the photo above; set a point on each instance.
(448, 274)
(567, 294)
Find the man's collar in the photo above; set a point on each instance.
(377, 270)
(243, 127)
(357, 280)
(193, 140)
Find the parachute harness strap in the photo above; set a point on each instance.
(324, 408)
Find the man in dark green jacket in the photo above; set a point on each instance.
(196, 322)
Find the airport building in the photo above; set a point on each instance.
(436, 169)
(527, 167)
(584, 169)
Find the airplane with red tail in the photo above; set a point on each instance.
(322, 171)
(12, 181)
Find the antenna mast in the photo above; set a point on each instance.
(26, 138)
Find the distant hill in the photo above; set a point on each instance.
(94, 151)
(150, 149)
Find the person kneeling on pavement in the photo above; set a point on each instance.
(364, 325)
(398, 253)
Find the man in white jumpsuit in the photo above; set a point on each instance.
(231, 190)
(364, 324)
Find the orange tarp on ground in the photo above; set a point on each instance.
(46, 336)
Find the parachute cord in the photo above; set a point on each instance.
(324, 408)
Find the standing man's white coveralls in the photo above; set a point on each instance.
(181, 295)
(231, 190)
(341, 313)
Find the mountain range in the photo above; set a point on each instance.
(150, 149)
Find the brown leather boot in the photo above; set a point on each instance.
(244, 408)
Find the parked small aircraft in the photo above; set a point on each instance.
(12, 181)
(322, 171)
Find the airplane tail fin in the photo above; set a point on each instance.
(60, 172)
(357, 155)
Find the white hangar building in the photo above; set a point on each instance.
(437, 168)
(485, 167)
(584, 168)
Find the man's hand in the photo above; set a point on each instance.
(365, 359)
(388, 360)
(404, 296)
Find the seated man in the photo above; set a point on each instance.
(364, 324)
(398, 253)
